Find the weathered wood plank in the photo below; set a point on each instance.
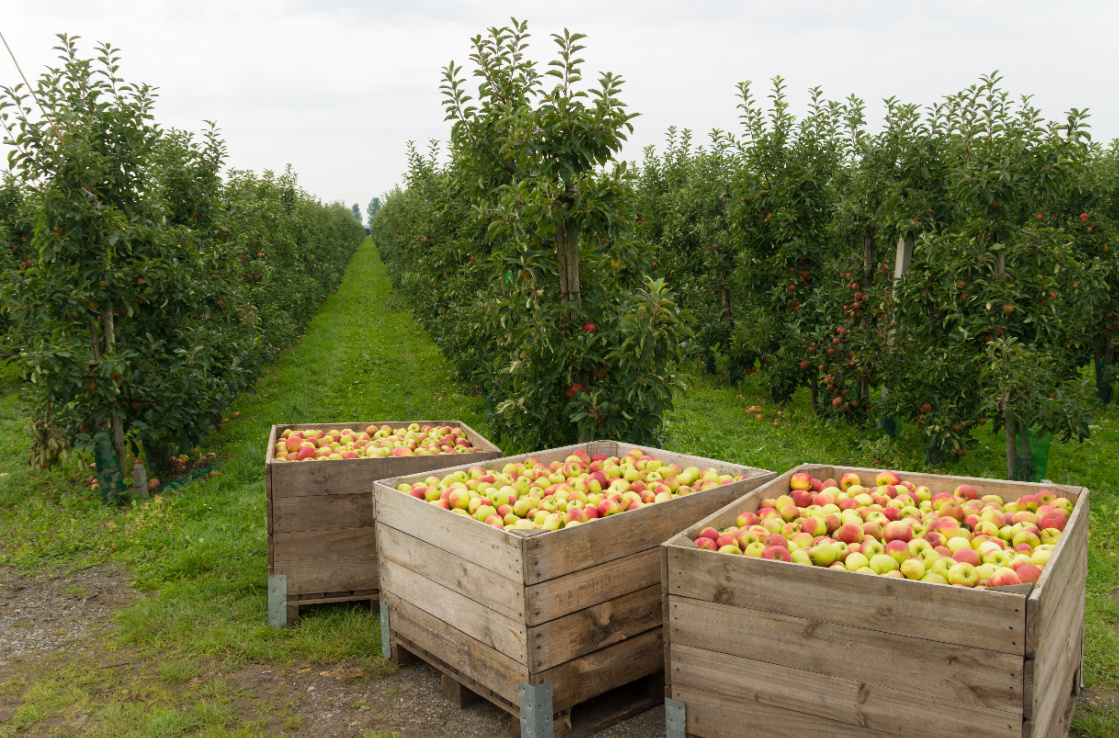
(480, 544)
(846, 700)
(324, 545)
(501, 633)
(1066, 624)
(501, 594)
(582, 632)
(588, 676)
(1071, 550)
(595, 584)
(964, 675)
(1054, 678)
(323, 512)
(709, 715)
(337, 575)
(483, 664)
(995, 621)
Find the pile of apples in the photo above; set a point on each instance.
(577, 490)
(415, 440)
(898, 529)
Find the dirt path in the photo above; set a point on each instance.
(63, 617)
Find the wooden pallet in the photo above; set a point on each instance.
(573, 613)
(787, 649)
(583, 719)
(321, 537)
(291, 605)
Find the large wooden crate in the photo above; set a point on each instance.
(322, 544)
(538, 622)
(764, 648)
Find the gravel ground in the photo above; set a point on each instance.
(335, 703)
(47, 611)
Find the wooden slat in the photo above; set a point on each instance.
(1067, 622)
(665, 613)
(846, 700)
(599, 672)
(1054, 677)
(324, 545)
(1060, 722)
(1046, 596)
(962, 675)
(501, 633)
(595, 584)
(995, 621)
(485, 665)
(572, 549)
(323, 512)
(709, 715)
(501, 594)
(598, 626)
(311, 576)
(480, 544)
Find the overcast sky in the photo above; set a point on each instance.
(337, 88)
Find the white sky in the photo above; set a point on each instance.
(336, 88)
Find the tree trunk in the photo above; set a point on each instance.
(1102, 361)
(865, 282)
(1011, 426)
(567, 256)
(1027, 464)
(118, 427)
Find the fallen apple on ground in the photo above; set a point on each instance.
(897, 528)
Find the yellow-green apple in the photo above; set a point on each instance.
(913, 568)
(848, 480)
(882, 563)
(898, 550)
(856, 561)
(730, 548)
(823, 554)
(747, 519)
(871, 547)
(754, 550)
(918, 546)
(1049, 536)
(942, 566)
(1028, 537)
(958, 542)
(800, 556)
(963, 574)
(934, 578)
(1027, 502)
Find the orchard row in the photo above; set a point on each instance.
(808, 251)
(143, 290)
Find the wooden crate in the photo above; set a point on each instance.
(538, 622)
(760, 648)
(322, 544)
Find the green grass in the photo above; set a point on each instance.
(201, 551)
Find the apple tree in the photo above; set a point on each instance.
(121, 327)
(995, 308)
(529, 229)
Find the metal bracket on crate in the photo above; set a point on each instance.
(536, 710)
(674, 718)
(277, 600)
(386, 643)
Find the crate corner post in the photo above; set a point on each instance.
(536, 710)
